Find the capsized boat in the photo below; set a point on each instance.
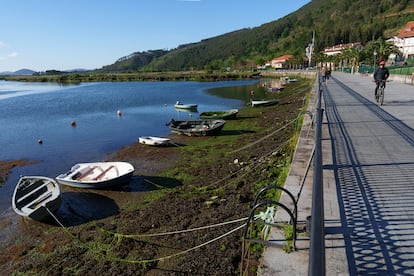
(97, 175)
(197, 127)
(154, 141)
(35, 196)
(225, 114)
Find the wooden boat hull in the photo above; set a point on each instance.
(154, 141)
(197, 128)
(225, 115)
(264, 102)
(35, 196)
(97, 175)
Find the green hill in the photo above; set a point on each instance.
(334, 22)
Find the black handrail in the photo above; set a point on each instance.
(251, 219)
(295, 204)
(317, 237)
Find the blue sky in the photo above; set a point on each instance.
(70, 34)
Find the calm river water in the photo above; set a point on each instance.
(33, 111)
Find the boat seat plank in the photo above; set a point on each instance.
(38, 200)
(85, 173)
(103, 173)
(32, 192)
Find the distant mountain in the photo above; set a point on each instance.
(333, 21)
(25, 72)
(134, 61)
(20, 72)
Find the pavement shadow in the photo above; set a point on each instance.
(374, 173)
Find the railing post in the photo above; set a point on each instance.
(317, 237)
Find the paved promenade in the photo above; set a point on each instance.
(368, 172)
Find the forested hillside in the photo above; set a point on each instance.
(333, 21)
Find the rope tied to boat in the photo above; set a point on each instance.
(133, 261)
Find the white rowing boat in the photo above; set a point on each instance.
(97, 175)
(35, 196)
(154, 141)
(264, 102)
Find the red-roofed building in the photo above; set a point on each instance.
(406, 40)
(280, 62)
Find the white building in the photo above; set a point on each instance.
(337, 49)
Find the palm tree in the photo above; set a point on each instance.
(352, 56)
(384, 49)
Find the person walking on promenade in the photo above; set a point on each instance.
(381, 74)
(323, 74)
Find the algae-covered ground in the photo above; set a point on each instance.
(172, 218)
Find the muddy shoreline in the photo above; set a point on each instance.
(7, 165)
(206, 193)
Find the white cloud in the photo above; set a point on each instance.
(13, 54)
(2, 44)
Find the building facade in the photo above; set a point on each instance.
(405, 40)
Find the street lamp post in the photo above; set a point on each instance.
(375, 58)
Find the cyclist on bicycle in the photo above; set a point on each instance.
(381, 74)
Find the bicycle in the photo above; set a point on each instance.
(379, 97)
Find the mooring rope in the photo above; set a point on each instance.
(250, 166)
(181, 252)
(254, 164)
(265, 137)
(173, 232)
(148, 260)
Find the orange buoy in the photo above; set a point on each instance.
(119, 113)
(73, 123)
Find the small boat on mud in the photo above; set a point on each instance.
(264, 102)
(275, 89)
(191, 107)
(197, 127)
(35, 196)
(97, 175)
(154, 141)
(225, 115)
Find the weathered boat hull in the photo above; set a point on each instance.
(36, 196)
(224, 115)
(197, 128)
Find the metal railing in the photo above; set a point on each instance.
(317, 233)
